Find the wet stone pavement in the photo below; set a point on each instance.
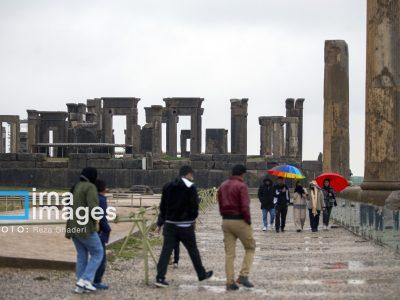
(332, 264)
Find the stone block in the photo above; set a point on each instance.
(220, 157)
(17, 164)
(52, 164)
(132, 164)
(198, 165)
(77, 163)
(238, 158)
(105, 163)
(210, 165)
(77, 155)
(200, 157)
(98, 155)
(251, 165)
(220, 165)
(8, 156)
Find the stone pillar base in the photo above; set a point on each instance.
(381, 185)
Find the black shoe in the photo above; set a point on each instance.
(232, 287)
(244, 280)
(161, 283)
(298, 230)
(277, 230)
(208, 275)
(282, 229)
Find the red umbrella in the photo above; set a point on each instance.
(338, 182)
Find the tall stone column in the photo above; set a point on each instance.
(292, 144)
(289, 105)
(382, 135)
(172, 121)
(33, 120)
(2, 146)
(266, 129)
(196, 130)
(239, 126)
(278, 141)
(336, 108)
(108, 125)
(157, 129)
(294, 108)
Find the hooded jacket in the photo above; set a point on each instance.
(179, 203)
(281, 198)
(266, 195)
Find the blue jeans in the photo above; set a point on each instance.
(271, 212)
(89, 246)
(98, 278)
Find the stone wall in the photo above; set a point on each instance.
(34, 170)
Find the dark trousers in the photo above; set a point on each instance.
(172, 236)
(314, 220)
(280, 217)
(102, 268)
(176, 253)
(326, 215)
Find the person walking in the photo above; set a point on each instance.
(83, 233)
(234, 207)
(104, 234)
(329, 201)
(266, 197)
(315, 205)
(281, 201)
(299, 206)
(179, 208)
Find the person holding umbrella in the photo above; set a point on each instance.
(329, 201)
(330, 184)
(281, 192)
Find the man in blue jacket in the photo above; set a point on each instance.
(104, 234)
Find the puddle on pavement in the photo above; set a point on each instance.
(219, 289)
(352, 265)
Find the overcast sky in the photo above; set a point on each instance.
(54, 52)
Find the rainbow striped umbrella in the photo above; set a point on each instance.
(286, 171)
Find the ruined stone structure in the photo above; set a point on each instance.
(175, 107)
(14, 132)
(122, 107)
(239, 126)
(294, 109)
(216, 141)
(336, 108)
(274, 142)
(151, 135)
(382, 155)
(184, 137)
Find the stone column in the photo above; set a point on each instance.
(382, 135)
(2, 131)
(292, 144)
(33, 128)
(278, 137)
(266, 130)
(156, 112)
(185, 135)
(289, 105)
(108, 125)
(294, 108)
(239, 126)
(336, 108)
(196, 123)
(172, 121)
(216, 141)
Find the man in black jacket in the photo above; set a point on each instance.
(179, 209)
(266, 197)
(281, 200)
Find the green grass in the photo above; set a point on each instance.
(133, 248)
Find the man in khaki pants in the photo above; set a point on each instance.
(233, 200)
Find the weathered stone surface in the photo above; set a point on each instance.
(31, 157)
(238, 158)
(216, 141)
(336, 108)
(52, 164)
(132, 163)
(382, 135)
(77, 163)
(98, 155)
(201, 157)
(239, 126)
(105, 163)
(13, 164)
(198, 164)
(8, 156)
(221, 157)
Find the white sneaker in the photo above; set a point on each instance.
(86, 285)
(264, 228)
(175, 265)
(79, 290)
